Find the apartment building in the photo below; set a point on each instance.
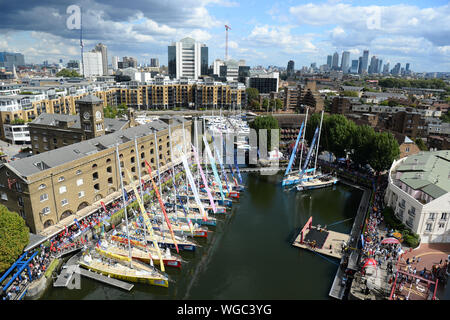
(48, 187)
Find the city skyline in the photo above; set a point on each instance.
(272, 34)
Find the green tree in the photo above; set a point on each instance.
(362, 144)
(339, 131)
(385, 150)
(265, 122)
(14, 236)
(66, 73)
(265, 104)
(446, 117)
(422, 146)
(278, 104)
(254, 105)
(252, 94)
(346, 93)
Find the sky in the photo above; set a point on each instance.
(263, 32)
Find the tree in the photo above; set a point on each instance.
(265, 104)
(252, 94)
(446, 117)
(339, 131)
(349, 93)
(362, 144)
(278, 104)
(254, 105)
(14, 236)
(265, 122)
(422, 146)
(66, 73)
(385, 150)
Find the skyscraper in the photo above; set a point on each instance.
(329, 61)
(365, 60)
(8, 59)
(290, 68)
(354, 68)
(380, 65)
(360, 65)
(115, 62)
(187, 58)
(93, 65)
(154, 62)
(335, 63)
(104, 51)
(373, 67)
(345, 62)
(386, 68)
(396, 69)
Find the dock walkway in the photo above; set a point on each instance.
(65, 278)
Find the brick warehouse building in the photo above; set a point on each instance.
(48, 187)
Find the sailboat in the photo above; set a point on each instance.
(123, 267)
(316, 180)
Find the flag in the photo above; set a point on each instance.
(76, 221)
(125, 195)
(99, 243)
(104, 207)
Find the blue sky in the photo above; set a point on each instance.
(262, 32)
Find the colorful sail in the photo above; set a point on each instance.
(191, 227)
(294, 151)
(205, 182)
(161, 203)
(223, 170)
(193, 187)
(213, 166)
(308, 156)
(147, 223)
(237, 168)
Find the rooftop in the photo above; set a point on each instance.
(428, 172)
(57, 157)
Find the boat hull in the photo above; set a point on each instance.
(129, 278)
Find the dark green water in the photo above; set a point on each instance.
(249, 255)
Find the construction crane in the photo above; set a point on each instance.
(226, 42)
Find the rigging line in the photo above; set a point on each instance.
(332, 224)
(326, 258)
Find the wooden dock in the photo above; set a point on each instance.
(335, 239)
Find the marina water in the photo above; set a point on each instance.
(249, 255)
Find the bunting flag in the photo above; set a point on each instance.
(125, 195)
(76, 221)
(104, 207)
(148, 222)
(163, 208)
(193, 187)
(205, 182)
(66, 232)
(213, 166)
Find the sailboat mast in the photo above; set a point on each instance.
(124, 205)
(318, 143)
(157, 163)
(139, 169)
(303, 140)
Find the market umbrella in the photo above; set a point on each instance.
(390, 240)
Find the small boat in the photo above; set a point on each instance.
(117, 266)
(317, 182)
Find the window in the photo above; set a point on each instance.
(42, 186)
(142, 155)
(64, 202)
(79, 182)
(20, 201)
(43, 197)
(441, 225)
(109, 169)
(132, 159)
(78, 172)
(108, 160)
(95, 176)
(151, 151)
(94, 166)
(96, 187)
(81, 194)
(46, 210)
(4, 196)
(61, 179)
(444, 216)
(431, 216)
(428, 228)
(133, 169)
(62, 189)
(407, 149)
(44, 139)
(110, 181)
(402, 203)
(410, 222)
(55, 141)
